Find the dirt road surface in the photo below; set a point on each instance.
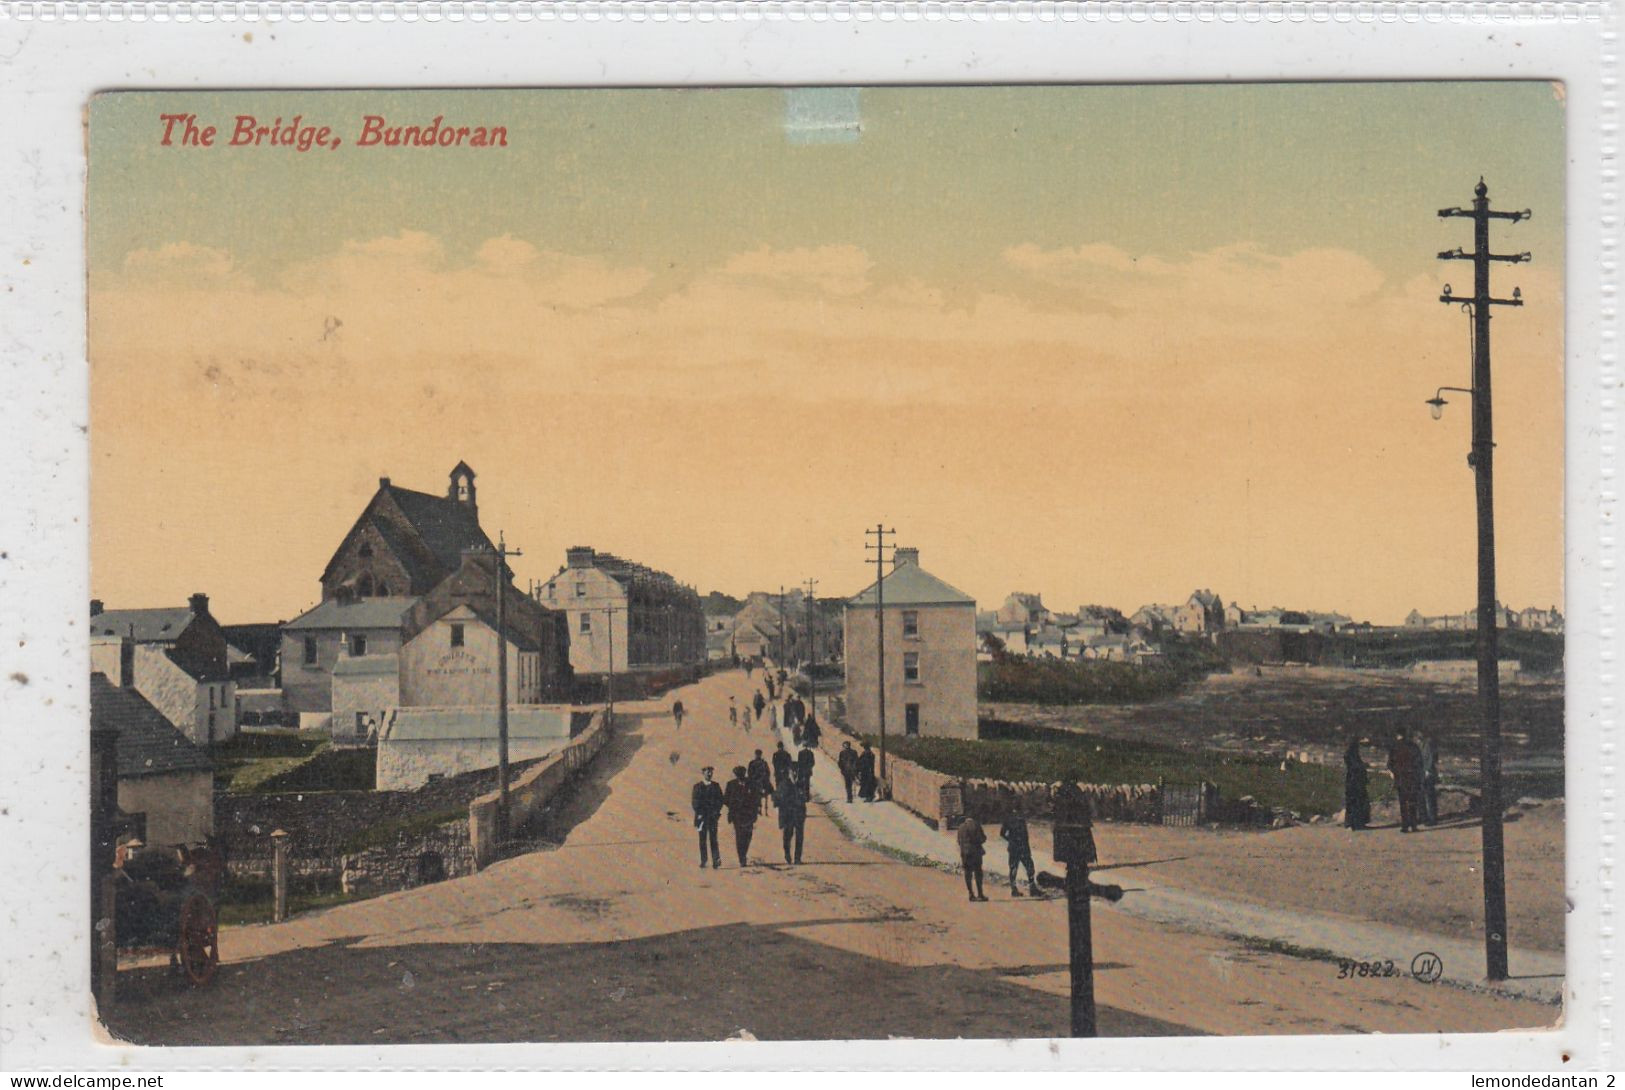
(611, 931)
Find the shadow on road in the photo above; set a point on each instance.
(581, 799)
(704, 984)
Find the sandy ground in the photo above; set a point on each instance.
(611, 932)
(1430, 881)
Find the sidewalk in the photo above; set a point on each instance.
(1535, 975)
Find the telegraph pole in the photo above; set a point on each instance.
(812, 638)
(880, 535)
(609, 681)
(784, 627)
(502, 554)
(1482, 461)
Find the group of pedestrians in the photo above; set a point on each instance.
(786, 784)
(1415, 768)
(858, 768)
(1018, 848)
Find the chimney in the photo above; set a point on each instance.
(95, 607)
(902, 556)
(199, 603)
(383, 482)
(578, 556)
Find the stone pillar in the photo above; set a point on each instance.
(279, 876)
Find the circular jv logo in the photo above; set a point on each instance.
(1427, 967)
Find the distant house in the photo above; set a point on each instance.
(930, 678)
(448, 656)
(1541, 620)
(1153, 617)
(403, 545)
(643, 617)
(1233, 615)
(1201, 613)
(1021, 608)
(313, 643)
(253, 652)
(163, 778)
(177, 658)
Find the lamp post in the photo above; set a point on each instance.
(1482, 460)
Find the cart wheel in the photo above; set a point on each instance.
(198, 943)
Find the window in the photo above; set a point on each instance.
(363, 589)
(457, 635)
(211, 698)
(551, 592)
(365, 552)
(310, 650)
(911, 623)
(911, 666)
(581, 590)
(358, 645)
(911, 719)
(586, 623)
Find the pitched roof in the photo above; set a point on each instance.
(912, 585)
(147, 625)
(446, 526)
(528, 624)
(360, 613)
(367, 665)
(148, 744)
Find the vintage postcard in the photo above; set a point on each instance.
(990, 561)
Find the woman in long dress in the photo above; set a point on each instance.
(1356, 802)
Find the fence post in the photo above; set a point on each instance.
(279, 876)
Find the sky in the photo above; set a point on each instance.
(1109, 344)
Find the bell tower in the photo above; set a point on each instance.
(461, 488)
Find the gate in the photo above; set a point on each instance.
(1182, 803)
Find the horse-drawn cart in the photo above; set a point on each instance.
(165, 903)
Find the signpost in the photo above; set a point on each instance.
(1075, 847)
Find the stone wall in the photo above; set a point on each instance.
(411, 860)
(530, 793)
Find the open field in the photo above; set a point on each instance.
(1274, 711)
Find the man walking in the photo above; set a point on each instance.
(1405, 762)
(758, 703)
(677, 713)
(741, 801)
(782, 764)
(804, 767)
(792, 815)
(971, 839)
(811, 731)
(847, 762)
(707, 803)
(761, 780)
(733, 712)
(1014, 834)
(1429, 751)
(866, 774)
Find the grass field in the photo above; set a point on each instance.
(251, 900)
(247, 760)
(1016, 752)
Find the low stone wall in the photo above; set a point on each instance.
(530, 793)
(414, 859)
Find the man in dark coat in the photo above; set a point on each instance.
(1405, 762)
(1014, 834)
(804, 767)
(866, 774)
(971, 838)
(847, 762)
(758, 702)
(792, 816)
(782, 763)
(811, 731)
(761, 780)
(707, 803)
(740, 799)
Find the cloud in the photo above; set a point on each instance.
(180, 262)
(838, 270)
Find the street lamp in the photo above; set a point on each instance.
(1436, 403)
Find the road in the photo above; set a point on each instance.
(609, 930)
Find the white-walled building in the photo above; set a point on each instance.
(930, 631)
(176, 658)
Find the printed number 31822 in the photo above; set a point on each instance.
(1347, 970)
